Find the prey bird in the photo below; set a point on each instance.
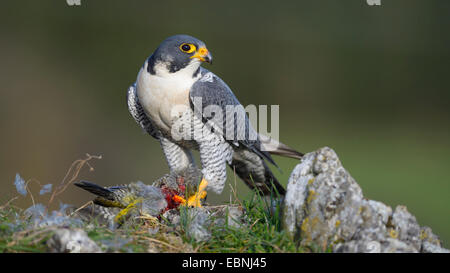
(116, 203)
(172, 100)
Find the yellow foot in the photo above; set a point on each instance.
(194, 200)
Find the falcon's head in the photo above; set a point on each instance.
(177, 53)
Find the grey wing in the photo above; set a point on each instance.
(209, 92)
(137, 112)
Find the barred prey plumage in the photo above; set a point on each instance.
(151, 200)
(141, 199)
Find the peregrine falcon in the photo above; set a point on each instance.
(186, 107)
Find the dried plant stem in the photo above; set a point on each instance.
(72, 175)
(233, 189)
(82, 207)
(29, 191)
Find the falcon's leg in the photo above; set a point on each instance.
(178, 158)
(215, 152)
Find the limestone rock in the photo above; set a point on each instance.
(199, 223)
(72, 241)
(325, 207)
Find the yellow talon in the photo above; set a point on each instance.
(194, 200)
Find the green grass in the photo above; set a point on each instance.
(23, 240)
(260, 232)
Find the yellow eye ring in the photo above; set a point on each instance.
(187, 48)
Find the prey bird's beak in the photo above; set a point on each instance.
(203, 55)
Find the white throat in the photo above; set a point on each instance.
(164, 91)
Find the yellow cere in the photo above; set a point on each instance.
(202, 52)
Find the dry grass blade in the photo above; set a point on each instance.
(257, 220)
(233, 189)
(82, 207)
(30, 234)
(9, 202)
(163, 243)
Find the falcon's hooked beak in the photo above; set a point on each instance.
(203, 55)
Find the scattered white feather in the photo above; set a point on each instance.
(46, 189)
(20, 185)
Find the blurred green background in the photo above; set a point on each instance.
(370, 82)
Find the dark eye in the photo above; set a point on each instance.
(187, 48)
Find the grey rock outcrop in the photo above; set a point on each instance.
(325, 207)
(72, 241)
